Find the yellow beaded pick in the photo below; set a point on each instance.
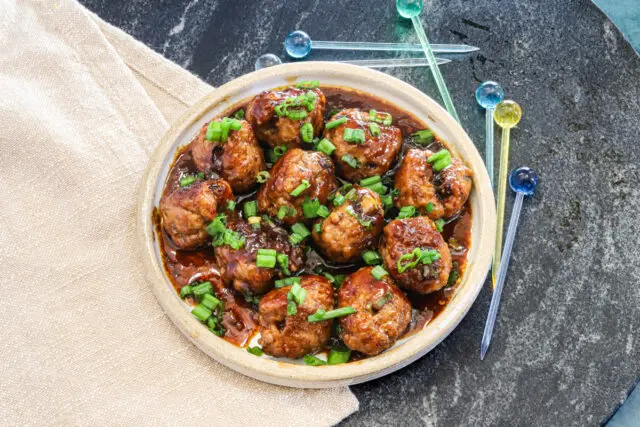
(507, 115)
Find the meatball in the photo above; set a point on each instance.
(374, 156)
(293, 336)
(418, 185)
(351, 227)
(296, 167)
(238, 266)
(383, 312)
(238, 159)
(402, 237)
(186, 211)
(274, 129)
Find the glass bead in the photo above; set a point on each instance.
(409, 8)
(267, 60)
(489, 94)
(508, 114)
(523, 180)
(297, 44)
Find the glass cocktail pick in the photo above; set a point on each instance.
(507, 115)
(488, 95)
(411, 9)
(298, 44)
(269, 60)
(523, 181)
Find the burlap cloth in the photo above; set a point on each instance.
(83, 340)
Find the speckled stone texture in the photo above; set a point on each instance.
(566, 347)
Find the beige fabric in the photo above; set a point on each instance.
(83, 340)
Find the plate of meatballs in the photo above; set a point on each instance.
(315, 225)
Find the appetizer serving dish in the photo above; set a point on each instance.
(327, 247)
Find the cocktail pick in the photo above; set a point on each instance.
(269, 60)
(411, 9)
(298, 44)
(523, 181)
(507, 115)
(488, 95)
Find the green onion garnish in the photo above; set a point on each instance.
(186, 291)
(306, 132)
(439, 224)
(339, 279)
(370, 181)
(201, 312)
(262, 176)
(276, 153)
(217, 226)
(296, 114)
(250, 209)
(202, 289)
(310, 207)
(326, 146)
(453, 277)
(429, 207)
(338, 200)
(214, 131)
(187, 180)
(374, 129)
(378, 187)
(412, 259)
(292, 308)
(298, 293)
(256, 351)
(378, 272)
(322, 315)
(308, 84)
(387, 201)
(406, 212)
(235, 124)
(283, 263)
(210, 302)
(383, 300)
(371, 257)
(231, 205)
(266, 258)
(373, 117)
(429, 256)
(289, 281)
(317, 227)
(337, 357)
(300, 188)
(423, 137)
(336, 122)
(353, 135)
(311, 360)
(239, 114)
(283, 212)
(440, 160)
(322, 211)
(300, 229)
(351, 161)
(296, 239)
(226, 126)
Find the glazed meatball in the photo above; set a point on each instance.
(238, 159)
(418, 185)
(293, 336)
(403, 236)
(238, 266)
(274, 129)
(383, 312)
(294, 168)
(374, 156)
(351, 227)
(186, 211)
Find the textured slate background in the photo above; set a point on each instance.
(566, 344)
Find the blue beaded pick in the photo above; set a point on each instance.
(523, 180)
(297, 44)
(489, 94)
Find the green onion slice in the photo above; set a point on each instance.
(406, 212)
(351, 161)
(250, 209)
(292, 308)
(289, 281)
(187, 180)
(283, 263)
(300, 188)
(239, 114)
(423, 137)
(378, 272)
(312, 360)
(322, 315)
(256, 351)
(186, 291)
(429, 207)
(371, 257)
(370, 181)
(439, 225)
(337, 357)
(354, 135)
(306, 132)
(201, 289)
(383, 300)
(201, 312)
(262, 176)
(374, 129)
(335, 123)
(326, 146)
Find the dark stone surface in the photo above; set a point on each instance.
(566, 346)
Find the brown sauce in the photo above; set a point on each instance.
(240, 318)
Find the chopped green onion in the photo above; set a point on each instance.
(378, 272)
(239, 114)
(317, 227)
(338, 200)
(201, 312)
(214, 131)
(300, 188)
(311, 360)
(373, 117)
(374, 129)
(336, 122)
(353, 135)
(187, 180)
(252, 299)
(256, 351)
(337, 357)
(266, 258)
(308, 84)
(218, 225)
(250, 209)
(298, 293)
(296, 114)
(378, 187)
(387, 201)
(413, 259)
(441, 164)
(310, 207)
(202, 289)
(289, 281)
(387, 120)
(226, 126)
(300, 229)
(186, 291)
(231, 205)
(262, 176)
(235, 124)
(306, 132)
(406, 212)
(429, 207)
(296, 239)
(322, 211)
(429, 256)
(276, 153)
(440, 160)
(292, 309)
(339, 279)
(423, 137)
(283, 212)
(328, 276)
(439, 224)
(283, 263)
(351, 161)
(453, 277)
(442, 154)
(383, 300)
(210, 302)
(370, 181)
(326, 146)
(371, 257)
(322, 315)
